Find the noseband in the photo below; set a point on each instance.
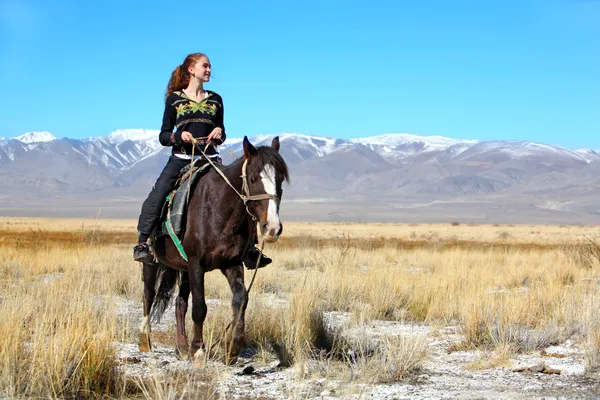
(246, 197)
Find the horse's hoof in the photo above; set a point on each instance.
(232, 353)
(182, 353)
(199, 358)
(230, 358)
(144, 344)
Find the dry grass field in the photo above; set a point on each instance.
(345, 311)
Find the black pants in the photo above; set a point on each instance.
(156, 199)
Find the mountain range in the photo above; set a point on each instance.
(384, 178)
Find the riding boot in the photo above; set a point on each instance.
(251, 258)
(251, 255)
(141, 251)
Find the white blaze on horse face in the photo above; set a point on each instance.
(273, 225)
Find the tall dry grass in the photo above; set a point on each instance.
(518, 297)
(60, 319)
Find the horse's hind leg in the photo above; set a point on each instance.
(181, 305)
(235, 340)
(149, 272)
(196, 275)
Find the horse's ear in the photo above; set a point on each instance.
(275, 143)
(249, 149)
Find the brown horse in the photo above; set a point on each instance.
(220, 221)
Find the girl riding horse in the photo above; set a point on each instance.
(191, 112)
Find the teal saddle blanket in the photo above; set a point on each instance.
(172, 219)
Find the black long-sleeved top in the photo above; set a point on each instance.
(198, 118)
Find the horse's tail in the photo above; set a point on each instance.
(166, 281)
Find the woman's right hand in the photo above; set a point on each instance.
(186, 137)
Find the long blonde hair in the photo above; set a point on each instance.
(180, 77)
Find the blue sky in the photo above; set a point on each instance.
(521, 69)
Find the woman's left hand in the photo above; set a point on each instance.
(216, 133)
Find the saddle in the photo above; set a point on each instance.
(172, 217)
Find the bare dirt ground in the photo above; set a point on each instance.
(555, 372)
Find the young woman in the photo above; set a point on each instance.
(190, 112)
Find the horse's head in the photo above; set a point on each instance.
(265, 170)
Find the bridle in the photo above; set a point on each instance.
(245, 195)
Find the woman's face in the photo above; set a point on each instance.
(201, 69)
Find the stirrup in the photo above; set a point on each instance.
(251, 257)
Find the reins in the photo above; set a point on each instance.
(245, 197)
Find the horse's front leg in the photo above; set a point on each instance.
(181, 305)
(196, 275)
(149, 272)
(235, 340)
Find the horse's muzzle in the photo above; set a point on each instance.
(271, 234)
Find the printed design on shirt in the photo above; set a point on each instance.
(192, 120)
(192, 107)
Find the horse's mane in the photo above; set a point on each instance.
(265, 155)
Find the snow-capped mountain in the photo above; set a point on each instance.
(11, 149)
(396, 167)
(36, 137)
(399, 139)
(303, 147)
(126, 146)
(395, 147)
(588, 154)
(135, 135)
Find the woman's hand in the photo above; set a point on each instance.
(186, 137)
(216, 133)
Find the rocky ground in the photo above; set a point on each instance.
(556, 372)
